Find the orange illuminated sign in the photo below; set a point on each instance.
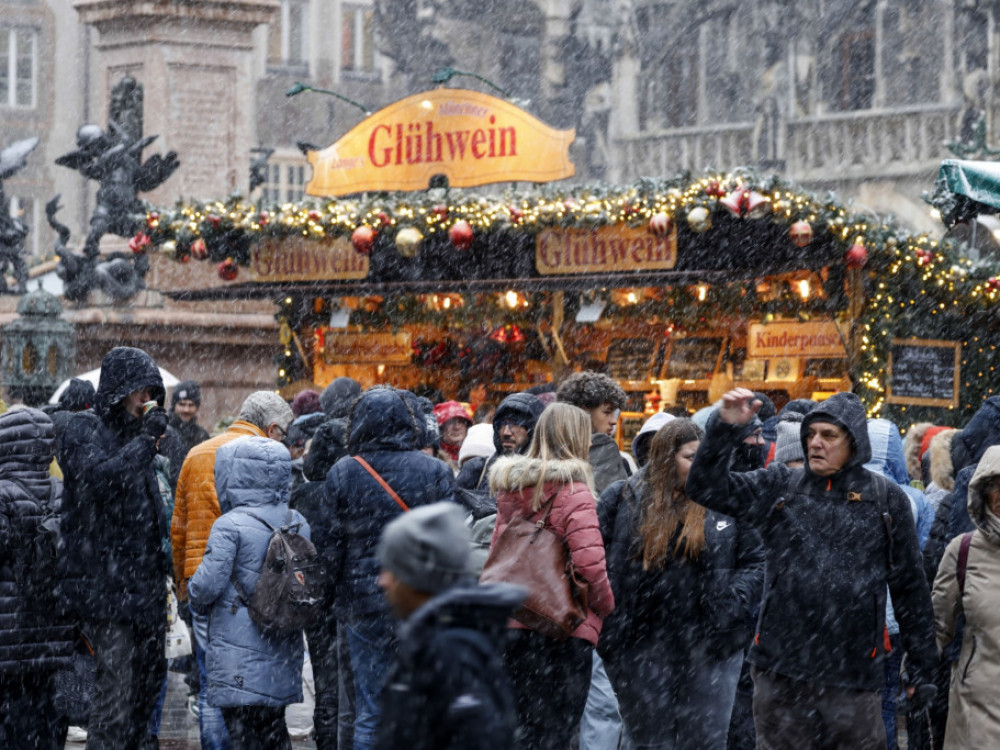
(604, 249)
(302, 259)
(469, 137)
(786, 339)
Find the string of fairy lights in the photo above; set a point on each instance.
(916, 286)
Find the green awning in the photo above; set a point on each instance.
(976, 180)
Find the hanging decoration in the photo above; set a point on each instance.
(856, 256)
(362, 239)
(408, 241)
(228, 270)
(699, 219)
(659, 224)
(461, 235)
(800, 233)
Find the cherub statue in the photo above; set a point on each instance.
(12, 229)
(114, 159)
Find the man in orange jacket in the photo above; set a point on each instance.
(196, 507)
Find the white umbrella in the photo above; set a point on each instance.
(94, 376)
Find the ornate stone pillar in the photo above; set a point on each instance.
(194, 61)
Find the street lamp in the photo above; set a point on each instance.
(447, 73)
(39, 348)
(299, 87)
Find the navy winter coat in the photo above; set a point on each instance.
(113, 566)
(448, 689)
(33, 639)
(707, 600)
(829, 554)
(246, 667)
(383, 430)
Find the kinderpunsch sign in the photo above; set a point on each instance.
(469, 137)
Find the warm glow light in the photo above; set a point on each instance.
(702, 292)
(804, 288)
(511, 298)
(632, 298)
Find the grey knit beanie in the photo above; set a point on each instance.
(788, 446)
(428, 547)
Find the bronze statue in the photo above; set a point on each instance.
(114, 160)
(12, 229)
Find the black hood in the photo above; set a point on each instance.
(329, 445)
(79, 395)
(521, 406)
(486, 607)
(982, 431)
(383, 419)
(123, 371)
(847, 412)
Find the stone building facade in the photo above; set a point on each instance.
(859, 97)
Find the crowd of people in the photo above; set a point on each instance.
(746, 576)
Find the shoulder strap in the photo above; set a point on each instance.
(880, 486)
(963, 561)
(385, 485)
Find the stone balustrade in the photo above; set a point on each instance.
(899, 142)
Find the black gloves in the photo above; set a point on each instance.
(922, 697)
(154, 422)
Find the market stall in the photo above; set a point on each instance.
(680, 288)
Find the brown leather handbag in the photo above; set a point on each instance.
(530, 555)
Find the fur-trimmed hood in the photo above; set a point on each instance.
(942, 471)
(514, 473)
(911, 447)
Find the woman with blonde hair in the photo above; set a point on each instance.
(686, 580)
(551, 677)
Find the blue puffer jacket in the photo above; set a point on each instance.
(245, 667)
(383, 430)
(32, 638)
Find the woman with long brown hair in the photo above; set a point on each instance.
(686, 579)
(551, 677)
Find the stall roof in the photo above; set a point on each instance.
(976, 180)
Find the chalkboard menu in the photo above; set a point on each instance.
(694, 358)
(631, 358)
(924, 372)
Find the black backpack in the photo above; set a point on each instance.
(289, 591)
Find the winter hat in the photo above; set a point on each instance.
(428, 547)
(79, 395)
(798, 405)
(451, 410)
(767, 409)
(337, 398)
(303, 428)
(925, 441)
(186, 390)
(640, 444)
(306, 402)
(788, 446)
(478, 442)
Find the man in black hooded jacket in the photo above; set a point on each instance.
(835, 536)
(113, 566)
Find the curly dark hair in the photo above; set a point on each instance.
(589, 390)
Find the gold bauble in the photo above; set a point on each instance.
(408, 241)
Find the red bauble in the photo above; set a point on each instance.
(924, 257)
(461, 235)
(315, 216)
(139, 243)
(856, 256)
(800, 233)
(714, 189)
(516, 214)
(993, 283)
(363, 238)
(199, 250)
(383, 219)
(153, 220)
(214, 220)
(228, 270)
(659, 224)
(263, 218)
(440, 211)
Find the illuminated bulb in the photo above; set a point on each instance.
(804, 288)
(632, 298)
(447, 303)
(511, 298)
(702, 292)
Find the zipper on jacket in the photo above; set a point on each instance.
(968, 663)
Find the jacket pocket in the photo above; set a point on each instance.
(972, 655)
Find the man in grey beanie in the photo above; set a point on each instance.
(448, 687)
(338, 397)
